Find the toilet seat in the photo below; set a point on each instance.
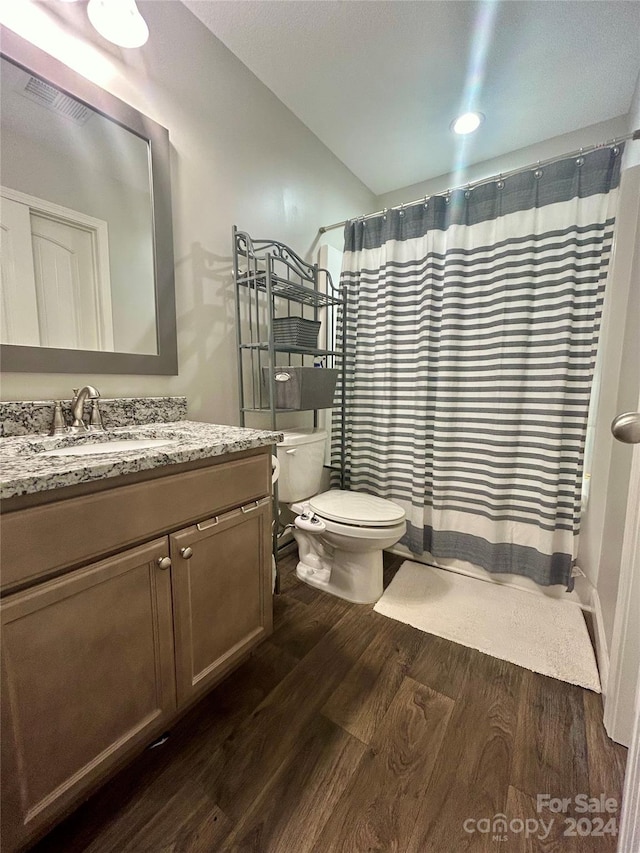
(354, 531)
(352, 510)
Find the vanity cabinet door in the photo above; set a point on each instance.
(222, 600)
(87, 676)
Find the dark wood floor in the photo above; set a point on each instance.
(347, 731)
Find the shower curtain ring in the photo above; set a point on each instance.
(538, 172)
(447, 197)
(384, 214)
(615, 150)
(426, 202)
(401, 211)
(500, 182)
(580, 160)
(467, 194)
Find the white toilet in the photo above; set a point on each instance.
(340, 535)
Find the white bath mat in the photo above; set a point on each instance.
(545, 635)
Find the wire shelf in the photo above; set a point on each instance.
(293, 350)
(284, 289)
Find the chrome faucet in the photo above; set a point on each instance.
(77, 409)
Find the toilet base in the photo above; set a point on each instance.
(356, 577)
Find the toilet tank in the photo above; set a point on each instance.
(301, 458)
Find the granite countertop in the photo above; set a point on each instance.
(24, 470)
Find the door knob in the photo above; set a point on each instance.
(186, 553)
(164, 563)
(626, 427)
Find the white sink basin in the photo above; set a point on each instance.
(101, 447)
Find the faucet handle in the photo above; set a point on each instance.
(58, 426)
(95, 422)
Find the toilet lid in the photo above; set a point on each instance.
(356, 508)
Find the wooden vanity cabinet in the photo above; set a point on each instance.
(221, 594)
(100, 660)
(87, 674)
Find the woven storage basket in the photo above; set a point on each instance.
(296, 332)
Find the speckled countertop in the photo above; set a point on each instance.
(24, 470)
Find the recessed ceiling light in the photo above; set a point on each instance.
(467, 123)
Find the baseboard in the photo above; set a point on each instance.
(602, 649)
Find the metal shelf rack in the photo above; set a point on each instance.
(278, 283)
(273, 281)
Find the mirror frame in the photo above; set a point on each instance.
(30, 359)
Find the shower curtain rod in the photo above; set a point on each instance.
(472, 184)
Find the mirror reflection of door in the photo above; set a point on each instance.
(56, 261)
(18, 314)
(87, 175)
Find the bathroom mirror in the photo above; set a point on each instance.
(87, 272)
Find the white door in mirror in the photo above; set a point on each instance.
(59, 258)
(74, 311)
(19, 316)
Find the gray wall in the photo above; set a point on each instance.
(554, 147)
(238, 156)
(632, 156)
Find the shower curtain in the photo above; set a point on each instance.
(470, 329)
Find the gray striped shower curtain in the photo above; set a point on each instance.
(470, 328)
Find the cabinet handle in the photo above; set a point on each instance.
(186, 553)
(164, 563)
(250, 507)
(205, 525)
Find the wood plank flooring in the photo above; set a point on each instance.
(347, 731)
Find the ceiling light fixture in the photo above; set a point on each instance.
(467, 123)
(119, 21)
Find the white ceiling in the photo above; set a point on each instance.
(380, 82)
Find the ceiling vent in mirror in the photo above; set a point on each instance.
(53, 99)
